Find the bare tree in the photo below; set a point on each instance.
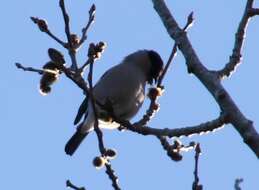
(229, 113)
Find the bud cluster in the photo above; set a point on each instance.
(100, 161)
(51, 70)
(155, 92)
(95, 50)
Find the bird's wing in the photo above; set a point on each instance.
(122, 85)
(81, 111)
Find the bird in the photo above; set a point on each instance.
(123, 86)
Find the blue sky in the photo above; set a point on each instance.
(36, 128)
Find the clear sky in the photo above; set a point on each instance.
(34, 129)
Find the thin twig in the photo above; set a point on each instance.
(109, 171)
(236, 57)
(92, 100)
(172, 55)
(189, 23)
(71, 48)
(66, 21)
(196, 185)
(90, 21)
(20, 66)
(237, 183)
(202, 128)
(43, 26)
(72, 186)
(82, 68)
(56, 38)
(76, 78)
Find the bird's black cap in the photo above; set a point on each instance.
(156, 66)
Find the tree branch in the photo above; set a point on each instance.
(43, 26)
(72, 186)
(92, 100)
(66, 21)
(20, 66)
(109, 171)
(236, 56)
(196, 185)
(174, 50)
(253, 12)
(71, 48)
(209, 79)
(90, 21)
(174, 150)
(202, 128)
(75, 74)
(172, 55)
(237, 183)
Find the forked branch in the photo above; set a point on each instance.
(209, 79)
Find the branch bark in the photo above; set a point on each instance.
(202, 128)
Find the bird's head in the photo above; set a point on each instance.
(156, 66)
(149, 61)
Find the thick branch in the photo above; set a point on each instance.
(209, 79)
(177, 132)
(254, 12)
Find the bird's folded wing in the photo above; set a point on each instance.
(81, 111)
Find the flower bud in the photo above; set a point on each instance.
(110, 153)
(74, 39)
(56, 56)
(42, 24)
(99, 162)
(102, 45)
(154, 93)
(50, 75)
(91, 50)
(156, 106)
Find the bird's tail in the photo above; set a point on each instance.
(74, 142)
